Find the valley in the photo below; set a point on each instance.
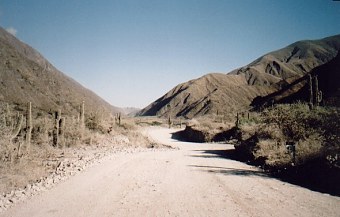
(190, 180)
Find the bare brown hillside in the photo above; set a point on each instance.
(290, 62)
(328, 76)
(25, 75)
(212, 93)
(225, 93)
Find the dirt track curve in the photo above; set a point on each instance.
(190, 181)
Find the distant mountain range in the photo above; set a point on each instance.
(26, 76)
(235, 91)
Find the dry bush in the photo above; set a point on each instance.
(207, 124)
(145, 121)
(315, 133)
(274, 153)
(42, 130)
(204, 129)
(270, 131)
(309, 149)
(73, 132)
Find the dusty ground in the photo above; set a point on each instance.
(191, 181)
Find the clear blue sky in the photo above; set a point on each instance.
(132, 52)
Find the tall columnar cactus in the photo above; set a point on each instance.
(56, 128)
(319, 99)
(82, 113)
(237, 122)
(118, 118)
(82, 119)
(28, 125)
(310, 84)
(316, 91)
(62, 124)
(169, 122)
(16, 130)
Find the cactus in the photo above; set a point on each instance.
(82, 119)
(16, 130)
(237, 122)
(56, 128)
(316, 90)
(310, 84)
(62, 124)
(28, 125)
(319, 97)
(82, 114)
(119, 119)
(169, 122)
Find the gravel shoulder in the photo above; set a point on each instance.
(190, 180)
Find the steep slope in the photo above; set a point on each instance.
(328, 76)
(25, 75)
(290, 62)
(212, 93)
(225, 93)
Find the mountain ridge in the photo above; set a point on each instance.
(27, 76)
(219, 93)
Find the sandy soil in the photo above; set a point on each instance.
(192, 180)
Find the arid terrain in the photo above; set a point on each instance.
(190, 180)
(64, 151)
(222, 94)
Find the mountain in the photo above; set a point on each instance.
(212, 93)
(26, 76)
(291, 62)
(235, 91)
(328, 76)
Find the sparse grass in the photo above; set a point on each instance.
(21, 164)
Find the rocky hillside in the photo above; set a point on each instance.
(291, 62)
(225, 93)
(328, 76)
(25, 75)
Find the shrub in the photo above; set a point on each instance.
(272, 153)
(315, 133)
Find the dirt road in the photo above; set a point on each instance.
(191, 181)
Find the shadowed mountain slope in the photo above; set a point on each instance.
(26, 76)
(225, 93)
(291, 62)
(328, 76)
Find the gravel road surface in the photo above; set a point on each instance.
(191, 180)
